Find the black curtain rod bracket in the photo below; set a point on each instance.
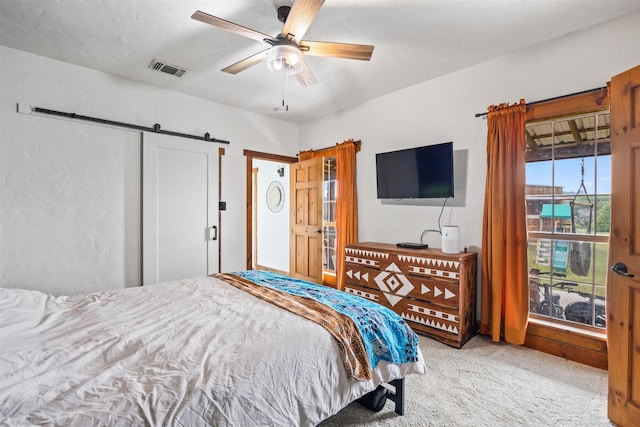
(155, 128)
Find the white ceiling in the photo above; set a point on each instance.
(415, 40)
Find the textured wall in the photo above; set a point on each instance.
(70, 218)
(70, 197)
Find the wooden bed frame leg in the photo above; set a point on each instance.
(398, 395)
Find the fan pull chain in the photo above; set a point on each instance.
(284, 106)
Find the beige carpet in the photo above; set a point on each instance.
(489, 384)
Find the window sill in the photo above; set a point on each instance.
(575, 329)
(583, 345)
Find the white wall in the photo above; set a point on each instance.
(70, 192)
(443, 110)
(273, 227)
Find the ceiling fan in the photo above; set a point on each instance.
(286, 49)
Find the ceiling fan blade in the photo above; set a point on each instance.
(230, 26)
(305, 76)
(337, 50)
(302, 14)
(246, 62)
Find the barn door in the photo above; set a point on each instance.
(623, 280)
(179, 206)
(305, 249)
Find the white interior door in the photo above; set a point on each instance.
(179, 202)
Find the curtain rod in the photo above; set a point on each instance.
(552, 99)
(357, 143)
(155, 128)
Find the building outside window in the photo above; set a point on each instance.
(568, 196)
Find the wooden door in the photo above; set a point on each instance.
(623, 291)
(180, 197)
(305, 249)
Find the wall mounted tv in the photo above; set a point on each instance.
(421, 172)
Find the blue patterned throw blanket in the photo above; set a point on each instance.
(384, 334)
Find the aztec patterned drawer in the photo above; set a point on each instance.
(434, 292)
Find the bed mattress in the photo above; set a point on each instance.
(191, 352)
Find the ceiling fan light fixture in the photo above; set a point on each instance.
(284, 59)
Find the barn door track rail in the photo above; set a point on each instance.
(28, 109)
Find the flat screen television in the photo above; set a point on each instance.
(414, 173)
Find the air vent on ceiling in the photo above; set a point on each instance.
(174, 70)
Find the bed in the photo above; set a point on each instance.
(204, 351)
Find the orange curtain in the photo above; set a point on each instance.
(346, 204)
(504, 308)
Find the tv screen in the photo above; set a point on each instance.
(421, 172)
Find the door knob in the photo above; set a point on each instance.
(318, 231)
(621, 269)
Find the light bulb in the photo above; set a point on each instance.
(285, 59)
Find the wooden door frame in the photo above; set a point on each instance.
(251, 155)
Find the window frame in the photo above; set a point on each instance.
(328, 275)
(571, 341)
(567, 236)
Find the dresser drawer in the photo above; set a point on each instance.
(395, 284)
(368, 293)
(428, 266)
(360, 275)
(429, 317)
(431, 266)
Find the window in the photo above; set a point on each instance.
(329, 217)
(568, 195)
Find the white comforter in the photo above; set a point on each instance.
(191, 352)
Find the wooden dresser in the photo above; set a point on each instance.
(433, 291)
